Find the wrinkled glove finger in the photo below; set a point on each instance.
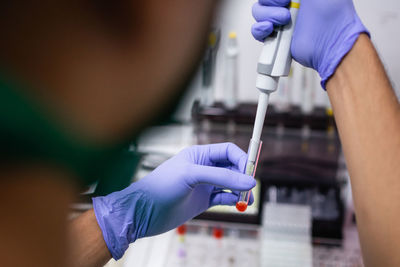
(262, 30)
(236, 193)
(223, 198)
(233, 167)
(227, 153)
(219, 177)
(275, 15)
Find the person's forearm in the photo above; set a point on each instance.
(87, 246)
(368, 118)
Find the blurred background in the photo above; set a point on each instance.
(303, 212)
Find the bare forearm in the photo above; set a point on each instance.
(368, 117)
(34, 204)
(87, 246)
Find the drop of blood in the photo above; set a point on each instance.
(241, 206)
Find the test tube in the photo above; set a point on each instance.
(251, 168)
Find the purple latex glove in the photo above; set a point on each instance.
(178, 190)
(325, 31)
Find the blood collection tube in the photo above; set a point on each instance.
(251, 168)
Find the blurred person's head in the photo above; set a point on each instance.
(106, 66)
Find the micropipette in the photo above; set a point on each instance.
(274, 62)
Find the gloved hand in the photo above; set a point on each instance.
(178, 190)
(325, 31)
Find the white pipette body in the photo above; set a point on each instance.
(274, 62)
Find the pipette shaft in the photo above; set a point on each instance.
(255, 144)
(262, 106)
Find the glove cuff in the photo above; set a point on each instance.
(116, 244)
(122, 217)
(341, 48)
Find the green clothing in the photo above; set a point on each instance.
(29, 135)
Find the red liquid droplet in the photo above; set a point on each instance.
(218, 233)
(241, 206)
(181, 229)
